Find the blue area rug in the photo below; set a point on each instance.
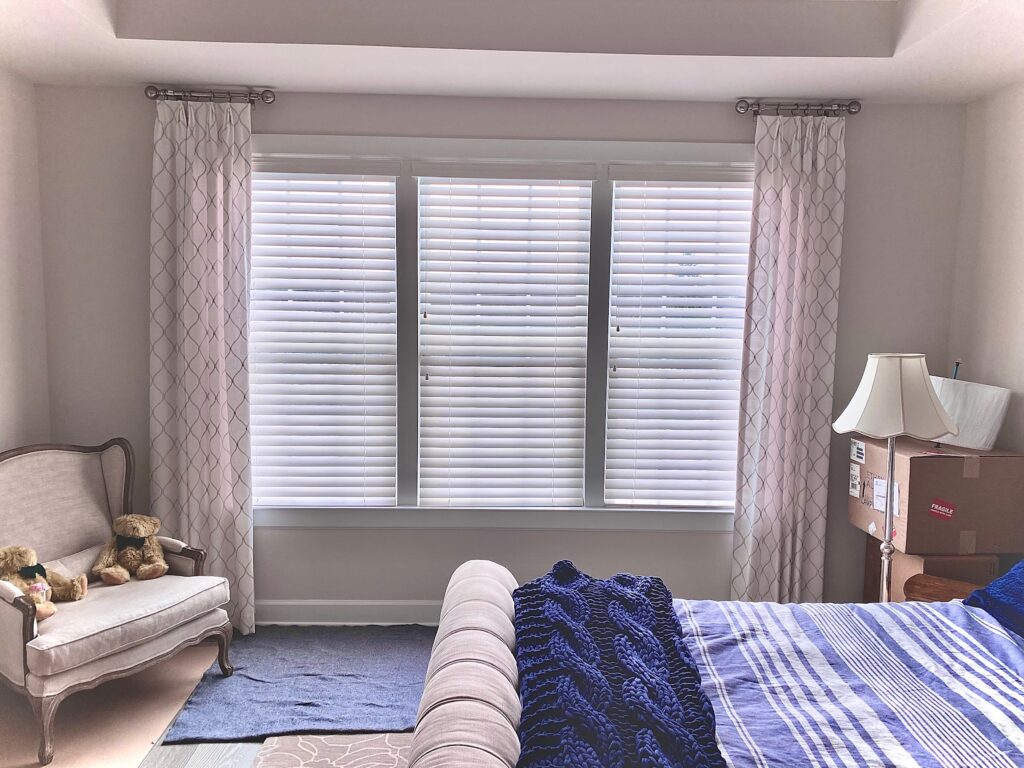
(298, 680)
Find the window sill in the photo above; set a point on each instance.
(521, 518)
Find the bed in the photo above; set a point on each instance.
(899, 684)
(907, 684)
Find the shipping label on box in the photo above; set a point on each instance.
(855, 480)
(857, 451)
(879, 493)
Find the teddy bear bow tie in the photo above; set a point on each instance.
(30, 571)
(123, 542)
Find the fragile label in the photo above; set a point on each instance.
(942, 509)
(857, 451)
(855, 480)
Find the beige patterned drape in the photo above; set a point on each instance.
(788, 359)
(199, 298)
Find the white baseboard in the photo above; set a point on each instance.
(348, 612)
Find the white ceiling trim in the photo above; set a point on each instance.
(787, 28)
(948, 51)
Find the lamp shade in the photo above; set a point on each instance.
(896, 397)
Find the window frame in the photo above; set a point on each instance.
(407, 158)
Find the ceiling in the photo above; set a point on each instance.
(717, 50)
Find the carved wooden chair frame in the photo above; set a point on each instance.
(45, 707)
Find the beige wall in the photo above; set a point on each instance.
(987, 323)
(902, 199)
(96, 148)
(24, 408)
(374, 564)
(898, 256)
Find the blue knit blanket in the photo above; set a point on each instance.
(605, 678)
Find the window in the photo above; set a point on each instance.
(678, 284)
(503, 341)
(322, 340)
(538, 329)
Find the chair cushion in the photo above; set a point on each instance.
(110, 619)
(79, 562)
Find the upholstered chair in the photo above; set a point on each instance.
(60, 500)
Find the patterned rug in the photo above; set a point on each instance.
(378, 750)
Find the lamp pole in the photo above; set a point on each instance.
(886, 547)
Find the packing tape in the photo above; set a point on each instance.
(972, 466)
(968, 542)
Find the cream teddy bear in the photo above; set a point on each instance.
(133, 551)
(20, 566)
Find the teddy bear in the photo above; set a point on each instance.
(20, 566)
(133, 551)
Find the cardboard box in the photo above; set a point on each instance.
(976, 569)
(951, 501)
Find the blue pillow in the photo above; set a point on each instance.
(1003, 599)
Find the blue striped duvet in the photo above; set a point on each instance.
(907, 684)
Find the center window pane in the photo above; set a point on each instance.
(503, 270)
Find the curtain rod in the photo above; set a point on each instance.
(826, 108)
(153, 93)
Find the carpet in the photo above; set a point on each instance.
(380, 750)
(310, 680)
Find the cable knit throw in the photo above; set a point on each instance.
(605, 677)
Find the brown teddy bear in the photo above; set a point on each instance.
(134, 551)
(20, 566)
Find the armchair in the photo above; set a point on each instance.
(60, 500)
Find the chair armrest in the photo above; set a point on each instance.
(182, 559)
(17, 628)
(924, 588)
(8, 592)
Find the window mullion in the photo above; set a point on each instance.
(597, 341)
(408, 337)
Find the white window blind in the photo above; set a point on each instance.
(678, 282)
(503, 335)
(323, 340)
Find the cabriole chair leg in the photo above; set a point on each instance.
(224, 646)
(46, 710)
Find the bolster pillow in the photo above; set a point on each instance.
(469, 712)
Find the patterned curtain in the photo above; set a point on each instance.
(199, 304)
(788, 359)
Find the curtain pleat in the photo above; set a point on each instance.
(199, 299)
(788, 359)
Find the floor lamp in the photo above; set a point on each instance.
(895, 397)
